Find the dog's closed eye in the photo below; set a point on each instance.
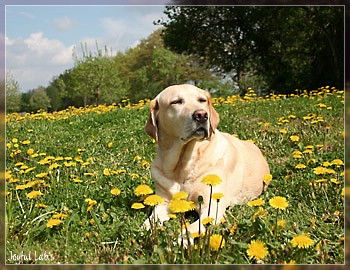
(177, 101)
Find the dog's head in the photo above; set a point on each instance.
(182, 111)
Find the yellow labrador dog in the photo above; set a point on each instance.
(183, 122)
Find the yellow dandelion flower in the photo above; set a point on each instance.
(279, 202)
(91, 203)
(181, 206)
(267, 178)
(290, 262)
(153, 200)
(309, 147)
(137, 206)
(257, 202)
(260, 213)
(211, 179)
(143, 190)
(330, 171)
(26, 142)
(296, 156)
(34, 194)
(137, 158)
(281, 223)
(297, 152)
(145, 164)
(59, 216)
(335, 181)
(115, 191)
(257, 249)
(181, 195)
(283, 131)
(337, 162)
(320, 170)
(54, 166)
(300, 166)
(135, 175)
(40, 205)
(110, 144)
(302, 241)
(217, 196)
(172, 216)
(106, 172)
(34, 183)
(311, 160)
(70, 164)
(207, 220)
(307, 151)
(233, 228)
(29, 169)
(294, 138)
(216, 241)
(197, 235)
(30, 151)
(53, 222)
(326, 164)
(13, 180)
(21, 187)
(41, 175)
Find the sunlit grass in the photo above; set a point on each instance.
(77, 183)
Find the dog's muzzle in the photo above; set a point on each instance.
(200, 117)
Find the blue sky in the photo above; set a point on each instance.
(40, 39)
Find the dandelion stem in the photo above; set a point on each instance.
(217, 209)
(218, 251)
(211, 192)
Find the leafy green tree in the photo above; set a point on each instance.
(138, 73)
(39, 99)
(289, 47)
(13, 96)
(55, 98)
(95, 78)
(150, 67)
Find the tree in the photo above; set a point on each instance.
(39, 99)
(96, 79)
(13, 96)
(149, 68)
(290, 47)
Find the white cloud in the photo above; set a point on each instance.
(63, 24)
(113, 26)
(27, 15)
(34, 60)
(121, 34)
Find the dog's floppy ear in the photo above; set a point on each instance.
(214, 118)
(151, 127)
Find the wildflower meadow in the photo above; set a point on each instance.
(78, 187)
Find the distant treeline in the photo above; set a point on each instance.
(220, 48)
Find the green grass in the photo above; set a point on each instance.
(113, 138)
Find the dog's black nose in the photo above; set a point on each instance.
(200, 116)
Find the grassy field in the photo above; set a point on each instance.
(64, 172)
